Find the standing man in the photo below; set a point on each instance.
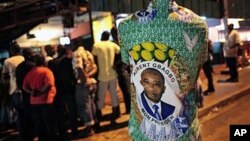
(40, 84)
(9, 67)
(85, 68)
(208, 70)
(9, 74)
(105, 51)
(230, 48)
(23, 107)
(66, 89)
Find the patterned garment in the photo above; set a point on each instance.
(165, 45)
(82, 58)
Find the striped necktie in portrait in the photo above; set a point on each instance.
(156, 113)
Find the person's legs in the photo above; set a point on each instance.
(232, 64)
(115, 101)
(89, 115)
(125, 91)
(28, 120)
(113, 92)
(37, 118)
(70, 101)
(16, 105)
(58, 113)
(102, 87)
(208, 73)
(101, 90)
(93, 101)
(79, 101)
(48, 119)
(84, 105)
(234, 69)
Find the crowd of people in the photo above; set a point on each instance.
(49, 94)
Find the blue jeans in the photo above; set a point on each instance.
(84, 104)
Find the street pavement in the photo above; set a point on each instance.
(224, 93)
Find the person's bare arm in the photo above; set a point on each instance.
(82, 74)
(92, 71)
(28, 90)
(45, 88)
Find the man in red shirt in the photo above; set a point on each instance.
(40, 84)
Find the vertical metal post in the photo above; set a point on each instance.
(90, 22)
(131, 7)
(225, 18)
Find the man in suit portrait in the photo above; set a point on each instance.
(154, 86)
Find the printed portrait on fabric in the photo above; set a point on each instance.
(156, 89)
(165, 45)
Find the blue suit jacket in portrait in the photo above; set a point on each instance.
(166, 109)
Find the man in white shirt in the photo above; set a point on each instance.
(105, 51)
(9, 77)
(9, 67)
(230, 48)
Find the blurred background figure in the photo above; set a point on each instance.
(40, 84)
(49, 52)
(231, 46)
(9, 67)
(208, 70)
(105, 51)
(242, 56)
(64, 104)
(9, 80)
(85, 69)
(66, 87)
(23, 102)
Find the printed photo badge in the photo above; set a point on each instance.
(159, 54)
(156, 56)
